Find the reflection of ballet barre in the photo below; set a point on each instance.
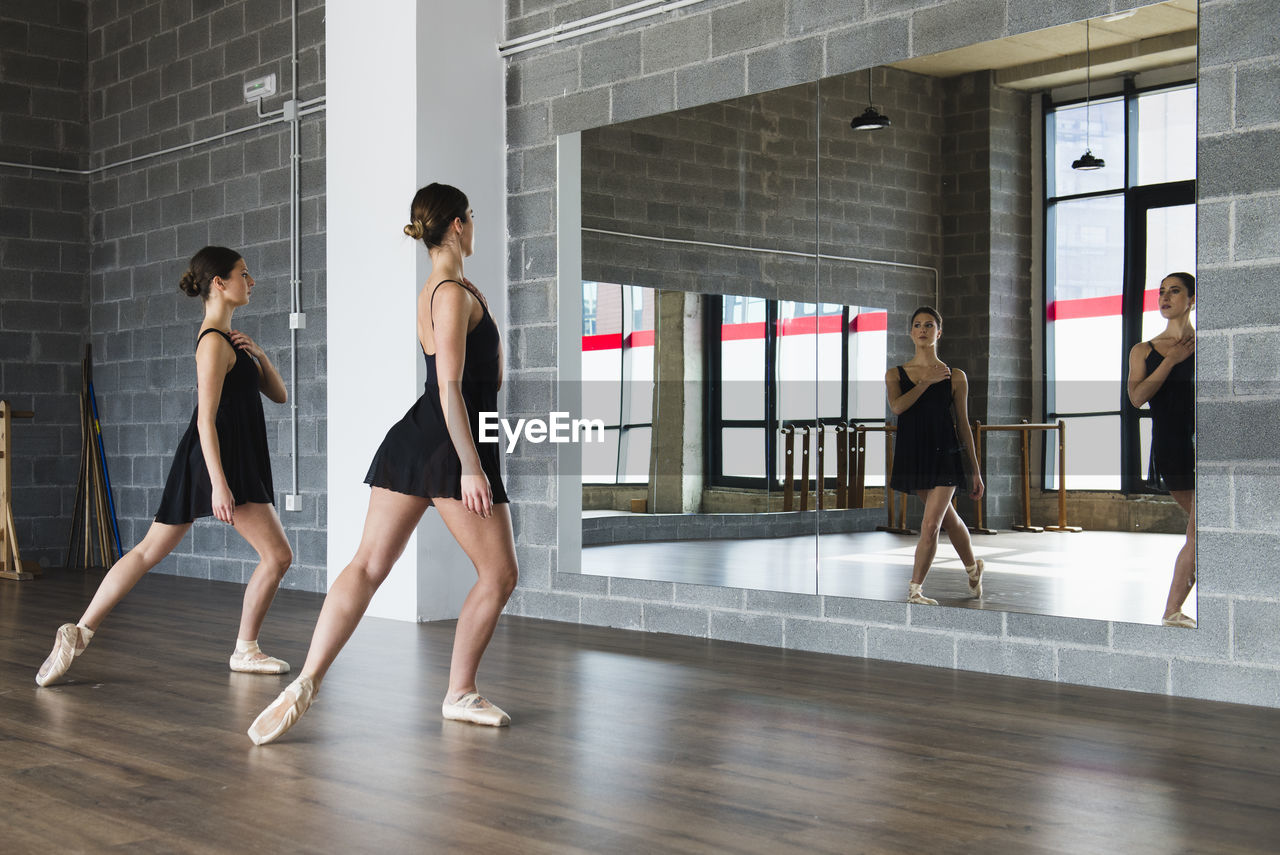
(789, 481)
(897, 522)
(851, 470)
(15, 569)
(1024, 429)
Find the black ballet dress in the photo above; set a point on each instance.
(1173, 424)
(926, 451)
(417, 456)
(242, 444)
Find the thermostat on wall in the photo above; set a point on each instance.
(262, 87)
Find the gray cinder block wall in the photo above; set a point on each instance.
(44, 261)
(102, 254)
(742, 47)
(986, 273)
(162, 75)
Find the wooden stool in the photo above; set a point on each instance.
(11, 564)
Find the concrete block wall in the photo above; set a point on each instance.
(89, 85)
(166, 74)
(746, 49)
(44, 261)
(986, 289)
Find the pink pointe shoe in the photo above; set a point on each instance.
(284, 711)
(68, 643)
(474, 708)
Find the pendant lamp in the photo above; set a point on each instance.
(1087, 162)
(870, 119)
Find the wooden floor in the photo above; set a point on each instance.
(1096, 575)
(621, 742)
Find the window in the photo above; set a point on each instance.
(778, 363)
(617, 377)
(1111, 235)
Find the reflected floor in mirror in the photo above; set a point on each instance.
(1100, 575)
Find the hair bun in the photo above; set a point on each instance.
(415, 230)
(188, 284)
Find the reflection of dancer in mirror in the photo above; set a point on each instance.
(222, 469)
(1162, 372)
(927, 455)
(430, 457)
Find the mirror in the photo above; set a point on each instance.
(747, 274)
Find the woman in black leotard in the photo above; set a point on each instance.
(1162, 374)
(222, 469)
(430, 457)
(928, 455)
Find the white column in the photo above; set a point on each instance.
(414, 95)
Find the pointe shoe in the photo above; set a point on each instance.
(975, 578)
(284, 711)
(69, 642)
(1179, 619)
(916, 595)
(472, 707)
(257, 662)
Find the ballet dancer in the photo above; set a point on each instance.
(222, 469)
(430, 457)
(1162, 373)
(927, 456)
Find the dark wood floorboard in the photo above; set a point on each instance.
(621, 742)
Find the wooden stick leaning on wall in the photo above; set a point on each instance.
(91, 525)
(11, 564)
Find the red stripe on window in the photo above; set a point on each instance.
(1083, 307)
(809, 325)
(1099, 307)
(605, 341)
(869, 322)
(742, 332)
(640, 338)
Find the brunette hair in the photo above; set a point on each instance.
(433, 210)
(1187, 279)
(205, 266)
(926, 310)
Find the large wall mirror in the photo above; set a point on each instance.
(736, 279)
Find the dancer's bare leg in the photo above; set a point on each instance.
(1184, 566)
(490, 545)
(388, 524)
(958, 534)
(390, 521)
(160, 540)
(936, 504)
(71, 639)
(258, 524)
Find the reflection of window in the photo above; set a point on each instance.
(617, 378)
(1111, 235)
(774, 363)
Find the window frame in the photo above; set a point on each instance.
(1136, 200)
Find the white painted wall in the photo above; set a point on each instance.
(415, 95)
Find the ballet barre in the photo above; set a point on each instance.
(11, 564)
(851, 470)
(1024, 429)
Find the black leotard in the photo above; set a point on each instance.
(417, 456)
(242, 445)
(926, 451)
(1173, 424)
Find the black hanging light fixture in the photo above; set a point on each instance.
(1087, 162)
(870, 119)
